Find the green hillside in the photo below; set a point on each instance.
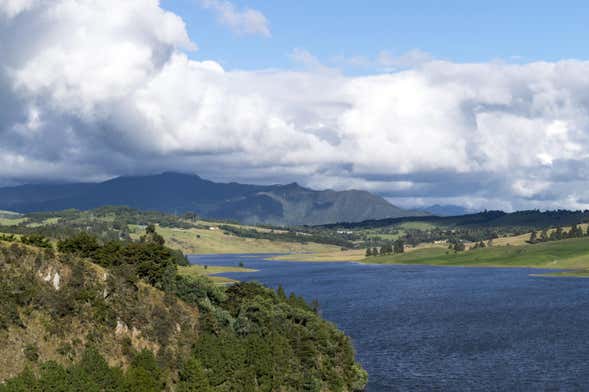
(117, 316)
(183, 233)
(565, 254)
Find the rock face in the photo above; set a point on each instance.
(177, 193)
(51, 276)
(65, 303)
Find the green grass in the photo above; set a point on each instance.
(567, 274)
(417, 226)
(324, 257)
(11, 221)
(205, 241)
(566, 254)
(210, 271)
(401, 229)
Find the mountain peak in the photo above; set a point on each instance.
(173, 192)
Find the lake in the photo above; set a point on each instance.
(421, 328)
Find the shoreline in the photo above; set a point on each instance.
(560, 270)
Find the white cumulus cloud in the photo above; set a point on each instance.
(93, 89)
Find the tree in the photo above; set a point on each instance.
(533, 239)
(193, 377)
(544, 235)
(83, 245)
(576, 231)
(459, 246)
(386, 249)
(374, 251)
(556, 234)
(281, 293)
(399, 246)
(144, 374)
(368, 252)
(152, 237)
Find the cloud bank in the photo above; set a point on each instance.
(93, 89)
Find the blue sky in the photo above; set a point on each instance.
(460, 31)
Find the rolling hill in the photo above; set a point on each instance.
(530, 219)
(289, 204)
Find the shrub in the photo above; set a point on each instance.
(31, 352)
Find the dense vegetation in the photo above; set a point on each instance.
(291, 235)
(486, 219)
(558, 234)
(115, 315)
(113, 223)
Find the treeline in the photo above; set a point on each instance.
(93, 373)
(395, 247)
(321, 237)
(557, 234)
(122, 216)
(33, 240)
(532, 219)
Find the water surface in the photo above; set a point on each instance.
(421, 328)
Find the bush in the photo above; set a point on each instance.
(31, 352)
(36, 240)
(83, 245)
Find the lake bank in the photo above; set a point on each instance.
(571, 255)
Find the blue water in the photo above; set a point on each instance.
(421, 328)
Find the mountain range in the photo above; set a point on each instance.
(289, 204)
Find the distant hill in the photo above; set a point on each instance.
(532, 219)
(447, 210)
(178, 193)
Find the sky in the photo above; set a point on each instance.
(478, 104)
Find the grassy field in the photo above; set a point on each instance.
(205, 241)
(566, 254)
(347, 255)
(210, 271)
(338, 255)
(6, 220)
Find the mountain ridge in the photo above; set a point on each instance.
(172, 192)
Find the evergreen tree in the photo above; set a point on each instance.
(374, 251)
(544, 235)
(459, 246)
(399, 246)
(558, 233)
(281, 293)
(368, 252)
(193, 378)
(533, 238)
